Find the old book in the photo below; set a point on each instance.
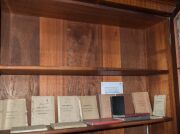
(155, 117)
(89, 107)
(103, 121)
(68, 125)
(104, 105)
(69, 109)
(26, 129)
(136, 117)
(141, 102)
(14, 113)
(129, 107)
(159, 105)
(117, 106)
(42, 110)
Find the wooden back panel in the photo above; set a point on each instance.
(29, 40)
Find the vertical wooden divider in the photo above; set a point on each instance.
(82, 49)
(133, 55)
(111, 55)
(51, 41)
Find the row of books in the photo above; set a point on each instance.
(65, 125)
(74, 109)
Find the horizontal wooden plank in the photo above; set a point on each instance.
(80, 11)
(66, 70)
(155, 6)
(102, 127)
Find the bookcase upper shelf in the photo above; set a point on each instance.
(91, 71)
(80, 11)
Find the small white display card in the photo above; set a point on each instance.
(111, 87)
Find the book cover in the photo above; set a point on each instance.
(26, 129)
(89, 107)
(141, 102)
(117, 106)
(68, 125)
(14, 113)
(42, 110)
(104, 121)
(129, 107)
(135, 117)
(69, 109)
(159, 105)
(104, 105)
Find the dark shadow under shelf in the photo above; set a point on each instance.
(84, 71)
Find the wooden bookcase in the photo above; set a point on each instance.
(66, 47)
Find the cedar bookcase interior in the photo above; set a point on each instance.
(69, 47)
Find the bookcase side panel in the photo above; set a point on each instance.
(159, 58)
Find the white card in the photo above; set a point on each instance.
(111, 87)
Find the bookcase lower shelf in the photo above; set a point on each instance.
(101, 127)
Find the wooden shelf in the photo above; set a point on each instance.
(102, 127)
(158, 6)
(80, 11)
(91, 71)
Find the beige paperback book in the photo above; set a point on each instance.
(42, 110)
(89, 107)
(159, 105)
(14, 113)
(141, 102)
(104, 105)
(69, 109)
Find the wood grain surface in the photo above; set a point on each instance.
(159, 53)
(158, 5)
(81, 11)
(20, 46)
(135, 42)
